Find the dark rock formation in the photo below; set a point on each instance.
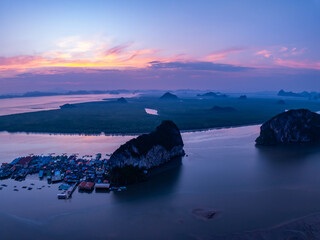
(65, 106)
(122, 100)
(294, 126)
(146, 152)
(169, 96)
(243, 97)
(219, 109)
(212, 95)
(281, 102)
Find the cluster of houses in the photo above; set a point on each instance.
(86, 173)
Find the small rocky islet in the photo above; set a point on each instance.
(293, 126)
(136, 157)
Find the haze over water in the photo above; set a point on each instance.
(33, 104)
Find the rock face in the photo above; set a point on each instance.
(149, 150)
(294, 126)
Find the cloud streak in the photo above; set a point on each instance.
(73, 54)
(223, 54)
(199, 66)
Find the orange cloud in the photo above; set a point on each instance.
(115, 57)
(73, 53)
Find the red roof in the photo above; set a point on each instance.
(86, 185)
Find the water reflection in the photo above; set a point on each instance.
(287, 154)
(160, 184)
(292, 167)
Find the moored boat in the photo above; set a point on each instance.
(41, 174)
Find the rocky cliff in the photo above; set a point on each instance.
(147, 151)
(294, 126)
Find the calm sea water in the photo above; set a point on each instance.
(251, 187)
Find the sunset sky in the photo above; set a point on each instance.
(224, 45)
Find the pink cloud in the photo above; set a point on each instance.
(264, 53)
(283, 49)
(117, 49)
(223, 54)
(297, 64)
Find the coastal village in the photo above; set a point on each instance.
(87, 173)
(130, 163)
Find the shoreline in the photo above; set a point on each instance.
(128, 133)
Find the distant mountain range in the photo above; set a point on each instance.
(305, 94)
(80, 92)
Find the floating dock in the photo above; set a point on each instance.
(67, 193)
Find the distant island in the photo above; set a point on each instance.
(47, 94)
(118, 117)
(243, 97)
(212, 95)
(294, 126)
(67, 105)
(305, 94)
(122, 100)
(169, 96)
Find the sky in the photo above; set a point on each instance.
(223, 45)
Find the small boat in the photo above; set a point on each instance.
(49, 175)
(62, 195)
(64, 187)
(41, 174)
